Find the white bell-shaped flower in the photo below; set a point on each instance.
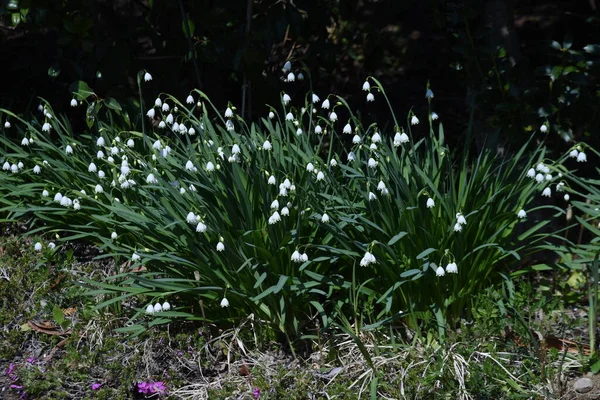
(228, 113)
(92, 167)
(370, 97)
(439, 271)
(547, 192)
(273, 219)
(157, 307)
(366, 86)
(581, 157)
(150, 309)
(452, 268)
(220, 247)
(315, 98)
(414, 120)
(166, 306)
(267, 145)
(189, 99)
(325, 218)
(333, 116)
(326, 104)
(318, 130)
(430, 203)
(37, 169)
(522, 214)
(147, 77)
(286, 99)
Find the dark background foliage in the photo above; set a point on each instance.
(494, 65)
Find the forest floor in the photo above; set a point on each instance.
(54, 345)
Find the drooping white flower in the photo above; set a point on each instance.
(267, 145)
(434, 116)
(414, 120)
(325, 104)
(37, 169)
(566, 197)
(275, 205)
(367, 259)
(356, 139)
(66, 202)
(98, 189)
(296, 256)
(457, 227)
(291, 77)
(147, 77)
(289, 117)
(333, 116)
(547, 192)
(310, 167)
(157, 308)
(191, 131)
(224, 302)
(51, 245)
(45, 193)
(189, 100)
(150, 309)
(285, 211)
(315, 98)
(300, 76)
(151, 179)
(201, 227)
(376, 138)
(157, 102)
(370, 97)
(20, 165)
(574, 153)
(228, 113)
(130, 143)
(14, 168)
(58, 197)
(325, 218)
(175, 126)
(372, 196)
(366, 86)
(25, 142)
(220, 246)
(430, 203)
(400, 138)
(287, 66)
(38, 246)
(191, 218)
(548, 177)
(521, 214)
(92, 167)
(235, 149)
(452, 268)
(429, 94)
(46, 127)
(581, 157)
(460, 219)
(189, 165)
(439, 271)
(304, 257)
(351, 156)
(540, 167)
(318, 130)
(298, 131)
(333, 162)
(101, 174)
(69, 149)
(272, 180)
(210, 166)
(6, 166)
(371, 163)
(531, 173)
(113, 235)
(539, 178)
(166, 306)
(271, 115)
(543, 128)
(320, 176)
(286, 99)
(273, 219)
(114, 150)
(151, 113)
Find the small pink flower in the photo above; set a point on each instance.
(256, 393)
(96, 386)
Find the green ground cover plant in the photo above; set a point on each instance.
(307, 220)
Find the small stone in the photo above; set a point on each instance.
(583, 385)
